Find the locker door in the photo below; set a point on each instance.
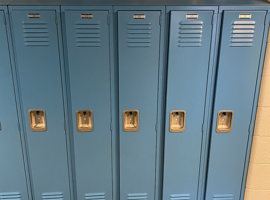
(138, 43)
(38, 65)
(189, 52)
(12, 181)
(240, 50)
(87, 34)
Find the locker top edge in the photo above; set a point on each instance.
(139, 2)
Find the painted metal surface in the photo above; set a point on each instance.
(239, 58)
(138, 46)
(87, 33)
(188, 65)
(37, 59)
(12, 171)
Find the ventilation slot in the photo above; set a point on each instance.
(94, 196)
(52, 196)
(88, 35)
(223, 197)
(35, 34)
(242, 33)
(10, 196)
(190, 33)
(139, 35)
(180, 197)
(137, 196)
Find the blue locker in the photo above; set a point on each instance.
(239, 57)
(87, 32)
(138, 48)
(12, 171)
(35, 39)
(188, 65)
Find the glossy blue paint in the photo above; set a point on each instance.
(139, 55)
(235, 89)
(13, 184)
(188, 67)
(88, 69)
(37, 60)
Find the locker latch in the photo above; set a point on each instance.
(37, 120)
(224, 121)
(177, 121)
(84, 120)
(131, 120)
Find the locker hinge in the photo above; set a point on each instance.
(108, 19)
(160, 20)
(202, 127)
(56, 20)
(4, 19)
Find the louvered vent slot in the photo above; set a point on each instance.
(242, 33)
(36, 34)
(223, 197)
(180, 197)
(137, 196)
(190, 33)
(88, 34)
(10, 196)
(139, 35)
(94, 196)
(52, 196)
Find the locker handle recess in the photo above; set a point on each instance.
(84, 120)
(177, 121)
(131, 120)
(37, 119)
(224, 121)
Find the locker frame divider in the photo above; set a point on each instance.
(17, 100)
(19, 107)
(113, 95)
(18, 93)
(160, 93)
(206, 127)
(257, 88)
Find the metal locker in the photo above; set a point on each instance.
(12, 171)
(188, 65)
(139, 54)
(239, 59)
(35, 38)
(87, 33)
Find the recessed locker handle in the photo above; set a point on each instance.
(131, 120)
(224, 121)
(37, 119)
(84, 120)
(177, 121)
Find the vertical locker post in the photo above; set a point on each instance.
(87, 34)
(37, 58)
(138, 58)
(239, 57)
(188, 67)
(12, 171)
